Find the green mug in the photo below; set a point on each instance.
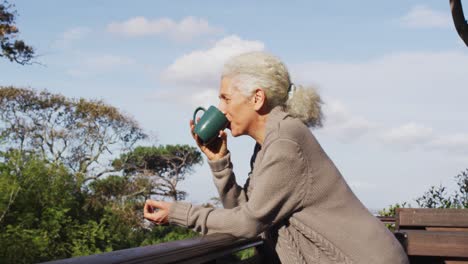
(209, 125)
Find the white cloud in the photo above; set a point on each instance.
(198, 72)
(347, 127)
(100, 64)
(455, 143)
(424, 138)
(203, 67)
(391, 71)
(424, 17)
(408, 135)
(185, 29)
(404, 100)
(107, 62)
(203, 97)
(432, 84)
(71, 35)
(340, 122)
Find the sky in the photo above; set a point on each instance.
(393, 76)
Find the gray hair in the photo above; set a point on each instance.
(252, 70)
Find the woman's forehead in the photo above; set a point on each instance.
(227, 88)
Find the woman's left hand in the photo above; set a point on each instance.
(157, 211)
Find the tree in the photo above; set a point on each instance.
(53, 218)
(11, 48)
(78, 133)
(437, 197)
(461, 24)
(120, 199)
(50, 217)
(63, 193)
(160, 169)
(44, 212)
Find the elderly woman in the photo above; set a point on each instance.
(294, 196)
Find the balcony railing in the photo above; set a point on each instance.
(427, 235)
(216, 248)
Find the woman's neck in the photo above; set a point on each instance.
(258, 129)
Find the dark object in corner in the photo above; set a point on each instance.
(461, 24)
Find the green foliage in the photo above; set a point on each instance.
(56, 201)
(161, 234)
(245, 254)
(391, 212)
(160, 168)
(167, 159)
(461, 195)
(437, 197)
(52, 218)
(12, 48)
(39, 217)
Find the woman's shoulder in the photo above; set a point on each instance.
(291, 129)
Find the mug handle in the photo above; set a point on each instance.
(195, 114)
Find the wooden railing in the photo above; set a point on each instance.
(216, 248)
(387, 219)
(429, 236)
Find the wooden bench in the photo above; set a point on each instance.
(433, 236)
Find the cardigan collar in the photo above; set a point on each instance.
(274, 117)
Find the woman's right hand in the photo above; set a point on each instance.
(216, 149)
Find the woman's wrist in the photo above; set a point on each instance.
(217, 156)
(221, 163)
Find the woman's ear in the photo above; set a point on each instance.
(259, 99)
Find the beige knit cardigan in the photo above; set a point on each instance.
(297, 200)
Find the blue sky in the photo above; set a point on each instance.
(393, 75)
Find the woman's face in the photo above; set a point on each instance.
(238, 108)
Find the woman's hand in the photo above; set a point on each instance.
(216, 149)
(157, 211)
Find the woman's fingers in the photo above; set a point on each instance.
(157, 204)
(148, 209)
(222, 134)
(217, 148)
(192, 130)
(192, 127)
(159, 216)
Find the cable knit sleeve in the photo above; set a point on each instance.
(230, 192)
(277, 191)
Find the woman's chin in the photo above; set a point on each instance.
(237, 134)
(233, 133)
